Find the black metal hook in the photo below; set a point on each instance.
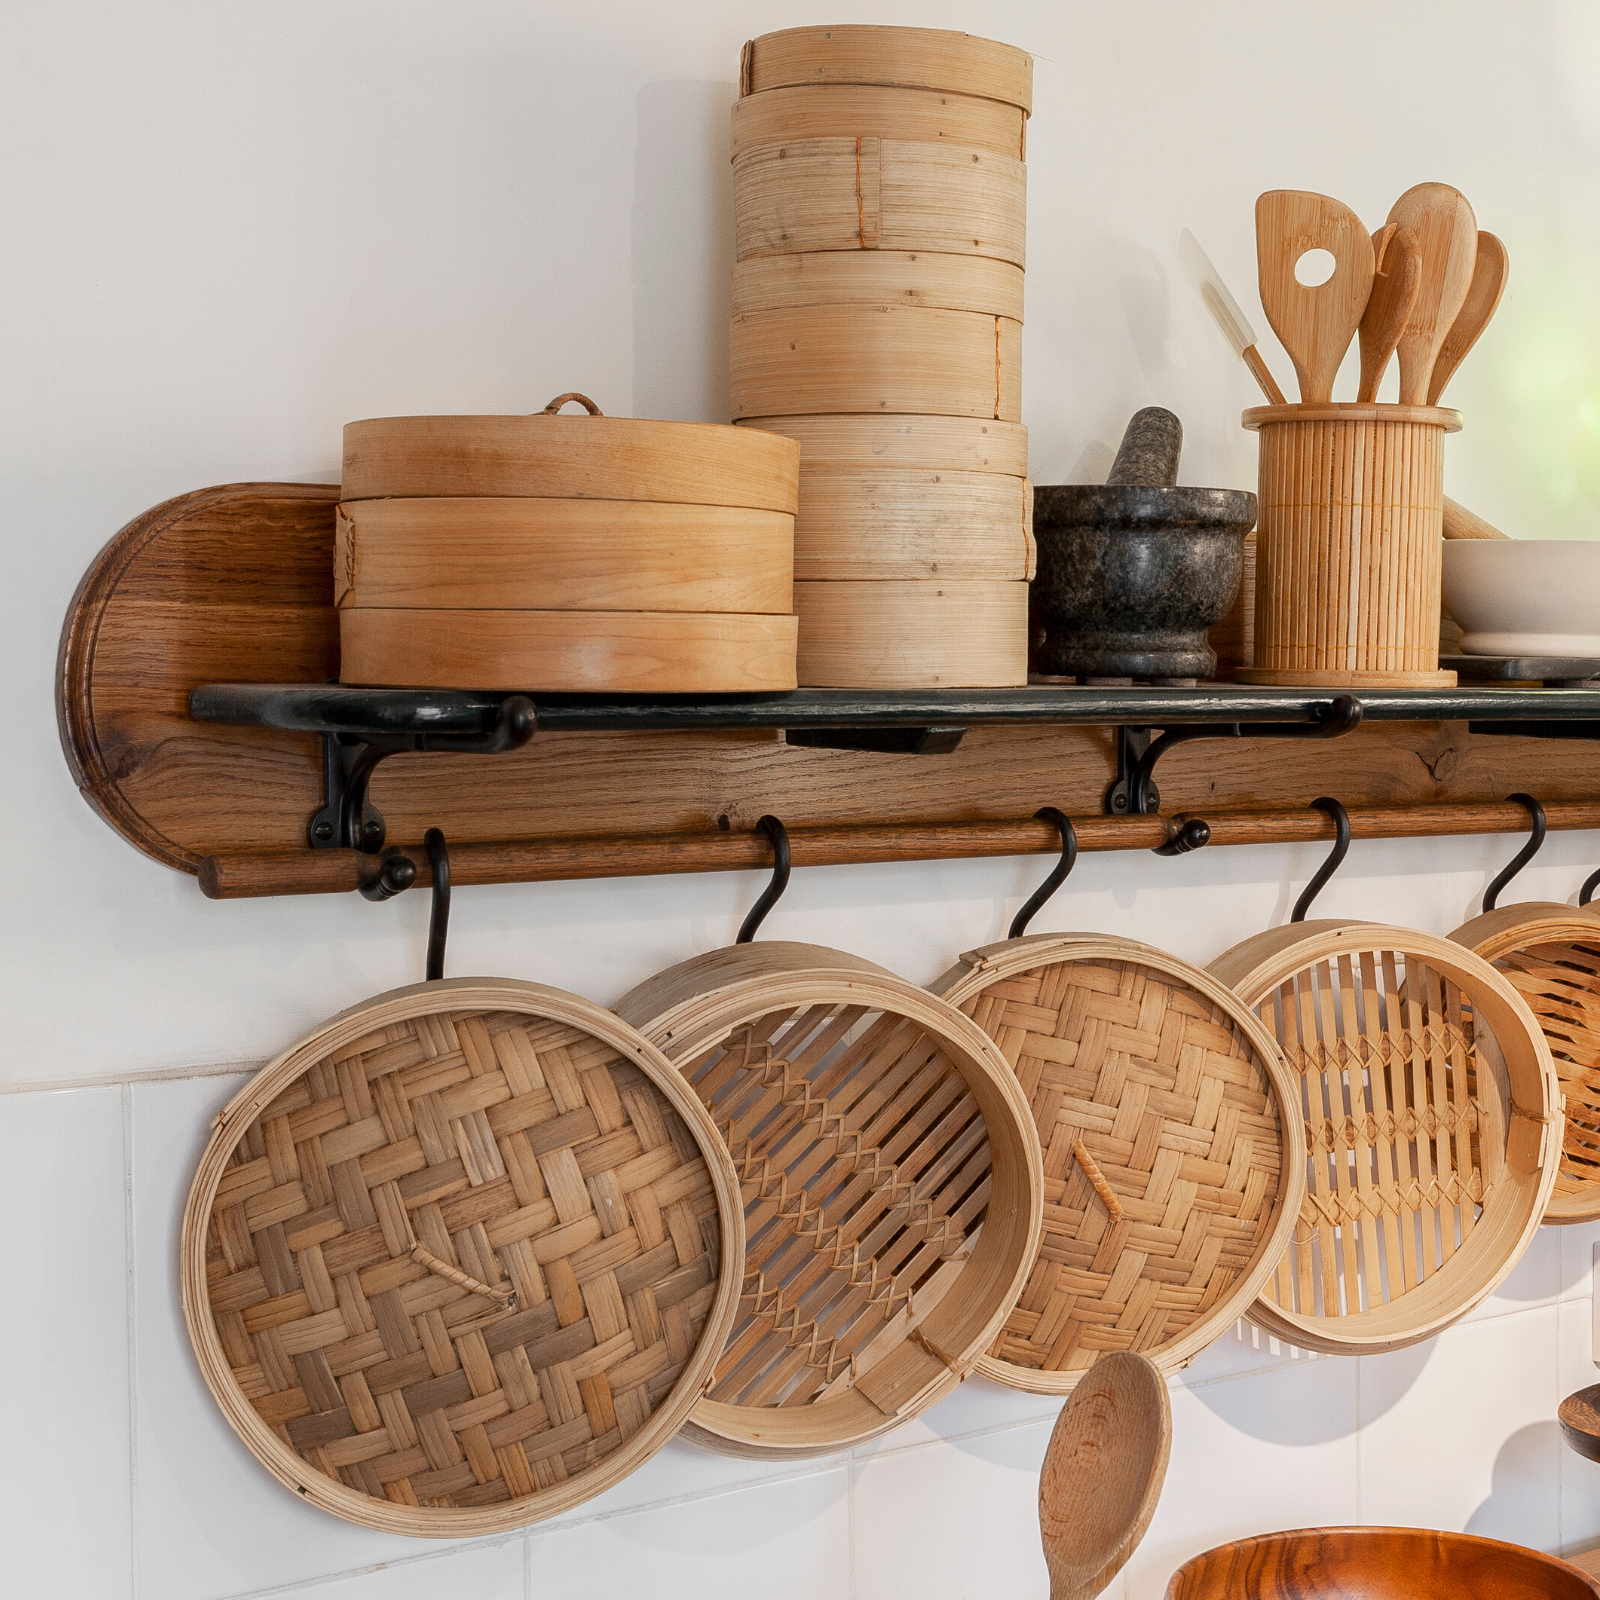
(439, 916)
(779, 835)
(1058, 873)
(1524, 855)
(1590, 884)
(1341, 848)
(1190, 834)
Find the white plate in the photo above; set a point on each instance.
(1524, 597)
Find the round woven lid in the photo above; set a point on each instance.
(1551, 955)
(891, 1188)
(1170, 1131)
(461, 1258)
(1433, 1128)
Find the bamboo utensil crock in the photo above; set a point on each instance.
(461, 1258)
(1433, 1128)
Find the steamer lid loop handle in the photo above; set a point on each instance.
(582, 399)
(1341, 848)
(779, 835)
(1058, 873)
(1524, 855)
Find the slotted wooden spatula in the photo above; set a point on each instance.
(1315, 325)
(1397, 275)
(1490, 268)
(1447, 235)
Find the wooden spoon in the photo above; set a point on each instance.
(1490, 269)
(1447, 235)
(1396, 277)
(1102, 1473)
(1315, 325)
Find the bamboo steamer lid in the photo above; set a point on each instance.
(891, 1185)
(1188, 1123)
(1550, 953)
(564, 457)
(937, 444)
(461, 1258)
(503, 553)
(888, 358)
(610, 652)
(916, 58)
(912, 635)
(850, 276)
(850, 111)
(1433, 1137)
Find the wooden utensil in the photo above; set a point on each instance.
(1459, 523)
(1490, 269)
(1396, 278)
(1447, 236)
(1225, 312)
(1102, 1473)
(1315, 325)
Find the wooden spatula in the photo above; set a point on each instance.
(1102, 1473)
(1396, 277)
(1315, 325)
(1490, 268)
(1447, 235)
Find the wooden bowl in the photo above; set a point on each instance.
(1579, 1416)
(892, 1188)
(1433, 1135)
(1376, 1564)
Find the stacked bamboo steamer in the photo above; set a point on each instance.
(566, 553)
(880, 205)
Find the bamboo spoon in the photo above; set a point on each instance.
(1316, 324)
(1102, 1473)
(1447, 235)
(1225, 310)
(1490, 268)
(1396, 277)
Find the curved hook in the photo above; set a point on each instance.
(1524, 855)
(1341, 848)
(1058, 873)
(439, 917)
(1590, 884)
(1191, 834)
(779, 835)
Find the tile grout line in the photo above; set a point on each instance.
(850, 1525)
(126, 1100)
(527, 1564)
(118, 1080)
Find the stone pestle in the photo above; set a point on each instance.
(1149, 452)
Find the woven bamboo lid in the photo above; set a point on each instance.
(461, 1258)
(1550, 953)
(891, 1188)
(1157, 1093)
(1433, 1131)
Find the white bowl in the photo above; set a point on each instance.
(1524, 597)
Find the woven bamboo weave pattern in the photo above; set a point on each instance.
(1167, 1097)
(490, 1147)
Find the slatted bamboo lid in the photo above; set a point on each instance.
(1550, 953)
(461, 1258)
(1433, 1128)
(1170, 1130)
(891, 1187)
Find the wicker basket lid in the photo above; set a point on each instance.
(1550, 953)
(1170, 1130)
(891, 1181)
(461, 1258)
(1432, 1138)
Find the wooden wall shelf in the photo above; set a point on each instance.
(224, 598)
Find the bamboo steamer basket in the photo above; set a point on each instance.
(850, 111)
(1171, 1131)
(802, 360)
(955, 444)
(1348, 546)
(1550, 953)
(1433, 1129)
(892, 1188)
(848, 276)
(461, 1258)
(912, 635)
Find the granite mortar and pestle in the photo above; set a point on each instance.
(1132, 573)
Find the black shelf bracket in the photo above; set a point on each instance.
(1134, 793)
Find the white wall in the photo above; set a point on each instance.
(224, 231)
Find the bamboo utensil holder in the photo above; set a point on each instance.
(1550, 953)
(1433, 1129)
(1171, 1133)
(892, 1188)
(1348, 545)
(461, 1258)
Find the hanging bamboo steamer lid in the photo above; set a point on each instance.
(1155, 1091)
(1433, 1132)
(891, 1180)
(461, 1258)
(1550, 953)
